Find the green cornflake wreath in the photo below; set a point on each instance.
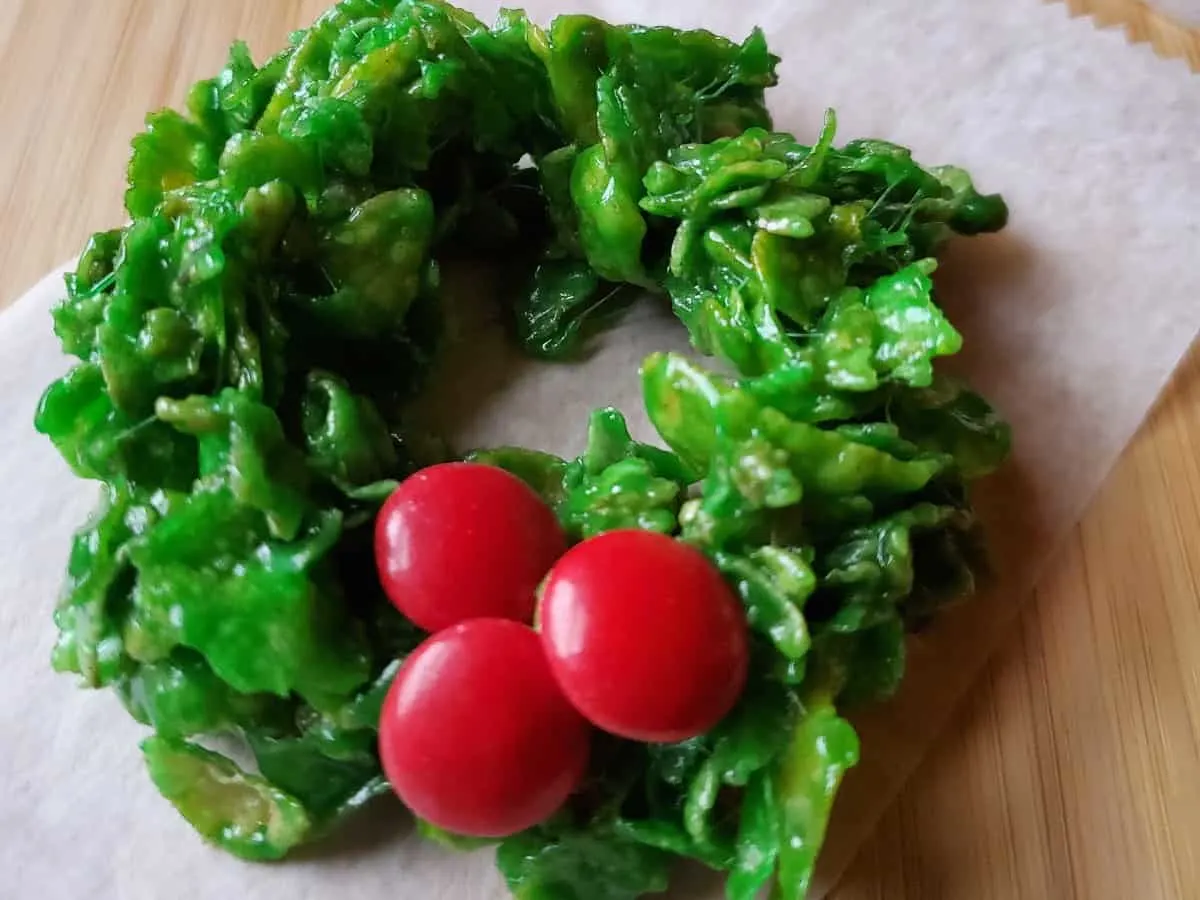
(249, 346)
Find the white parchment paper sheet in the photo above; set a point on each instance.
(1074, 319)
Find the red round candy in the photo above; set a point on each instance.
(644, 636)
(460, 541)
(476, 737)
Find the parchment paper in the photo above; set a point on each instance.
(1074, 319)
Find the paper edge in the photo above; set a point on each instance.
(832, 879)
(1166, 37)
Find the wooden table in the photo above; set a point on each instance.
(1074, 769)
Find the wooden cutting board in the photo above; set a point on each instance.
(1074, 769)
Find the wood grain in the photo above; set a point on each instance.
(1074, 769)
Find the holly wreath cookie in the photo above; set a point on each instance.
(597, 664)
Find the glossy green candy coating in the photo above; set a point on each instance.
(249, 344)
